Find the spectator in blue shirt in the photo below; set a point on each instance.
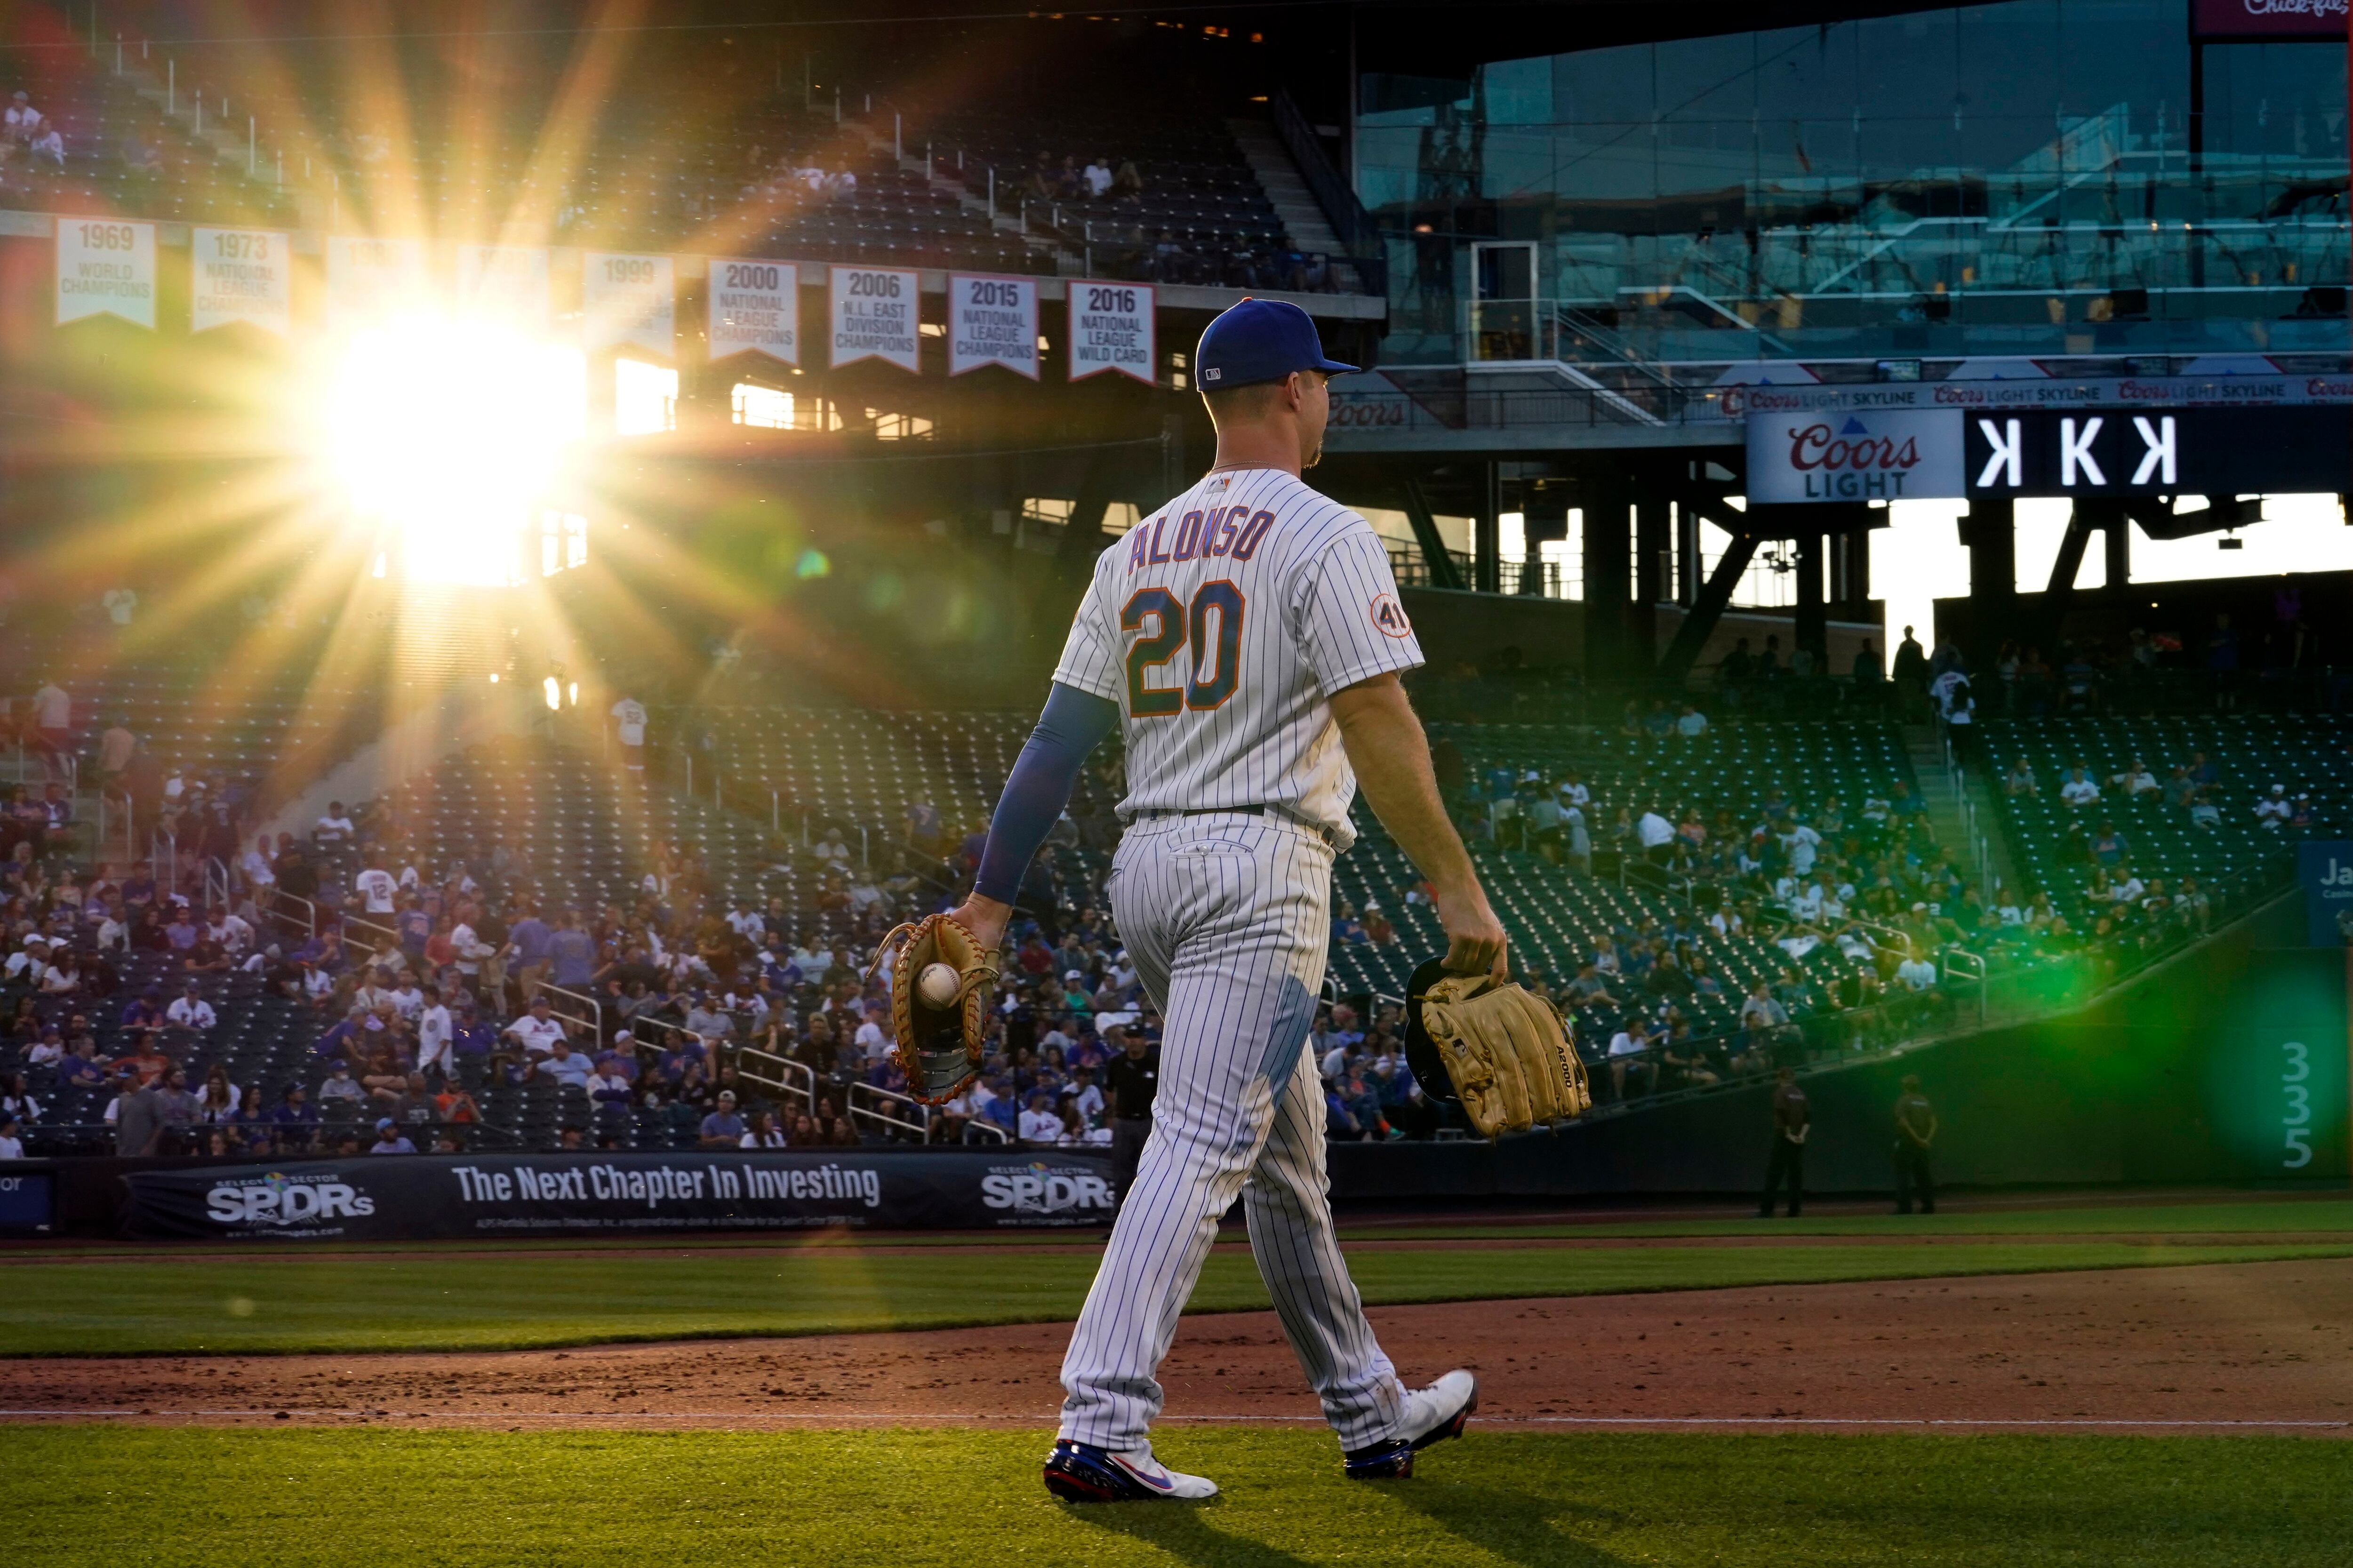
(529, 938)
(147, 1013)
(572, 956)
(723, 1129)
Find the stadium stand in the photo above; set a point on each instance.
(2113, 818)
(1705, 898)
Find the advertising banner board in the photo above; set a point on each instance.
(395, 1197)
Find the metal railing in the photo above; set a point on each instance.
(1357, 233)
(780, 1074)
(887, 1109)
(594, 1019)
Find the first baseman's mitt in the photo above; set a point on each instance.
(1506, 1051)
(938, 1047)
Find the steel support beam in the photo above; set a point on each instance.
(1434, 553)
(1707, 610)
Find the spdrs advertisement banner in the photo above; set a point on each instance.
(410, 1197)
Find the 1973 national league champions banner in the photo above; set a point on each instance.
(241, 275)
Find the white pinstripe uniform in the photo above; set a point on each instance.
(1221, 626)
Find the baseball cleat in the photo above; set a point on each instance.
(1433, 1415)
(1081, 1472)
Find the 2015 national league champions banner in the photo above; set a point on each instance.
(389, 1197)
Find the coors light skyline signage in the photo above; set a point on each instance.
(1899, 455)
(2217, 21)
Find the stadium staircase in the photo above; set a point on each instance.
(1956, 802)
(1303, 223)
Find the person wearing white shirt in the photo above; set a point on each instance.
(2130, 890)
(2079, 789)
(1655, 832)
(747, 923)
(406, 999)
(537, 1030)
(191, 1011)
(335, 827)
(1039, 1125)
(1807, 905)
(1916, 972)
(873, 1044)
(435, 1031)
(2274, 808)
(11, 1146)
(260, 870)
(1098, 177)
(233, 931)
(629, 728)
(1573, 794)
(2136, 779)
(377, 888)
(764, 1133)
(1801, 843)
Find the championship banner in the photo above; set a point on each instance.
(372, 281)
(240, 275)
(105, 269)
(629, 301)
(754, 305)
(390, 1197)
(506, 283)
(874, 315)
(1111, 329)
(992, 321)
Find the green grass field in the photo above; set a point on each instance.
(451, 1299)
(2298, 1217)
(85, 1495)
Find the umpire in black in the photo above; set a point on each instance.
(1915, 1129)
(1791, 1119)
(1129, 1083)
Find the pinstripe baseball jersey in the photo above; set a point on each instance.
(1221, 625)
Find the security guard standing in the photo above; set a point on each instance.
(1915, 1129)
(1791, 1119)
(1130, 1082)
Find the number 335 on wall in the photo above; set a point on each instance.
(2297, 1124)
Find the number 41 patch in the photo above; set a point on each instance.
(1389, 616)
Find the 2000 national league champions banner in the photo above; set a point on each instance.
(425, 1195)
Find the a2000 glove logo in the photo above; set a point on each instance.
(282, 1200)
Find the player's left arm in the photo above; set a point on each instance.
(1039, 788)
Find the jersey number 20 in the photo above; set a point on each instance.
(1216, 653)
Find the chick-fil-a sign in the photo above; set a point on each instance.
(1895, 455)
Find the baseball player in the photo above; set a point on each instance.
(1248, 640)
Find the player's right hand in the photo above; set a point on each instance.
(1474, 937)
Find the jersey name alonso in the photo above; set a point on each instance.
(1221, 625)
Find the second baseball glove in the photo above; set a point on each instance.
(938, 1048)
(1506, 1050)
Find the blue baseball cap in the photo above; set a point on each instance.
(1257, 340)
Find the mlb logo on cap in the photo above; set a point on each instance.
(1259, 341)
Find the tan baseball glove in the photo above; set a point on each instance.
(1507, 1051)
(938, 1047)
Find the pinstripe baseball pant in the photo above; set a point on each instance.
(1227, 918)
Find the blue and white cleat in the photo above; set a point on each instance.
(1081, 1472)
(1433, 1415)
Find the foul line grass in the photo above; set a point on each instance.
(185, 1303)
(907, 1499)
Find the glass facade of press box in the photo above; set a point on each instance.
(1988, 180)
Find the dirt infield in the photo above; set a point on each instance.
(2253, 1347)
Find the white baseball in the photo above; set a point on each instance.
(937, 985)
